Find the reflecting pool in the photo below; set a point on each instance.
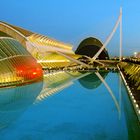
(69, 106)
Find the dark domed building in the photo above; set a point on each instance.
(90, 47)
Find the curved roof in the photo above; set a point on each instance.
(36, 44)
(42, 40)
(16, 64)
(19, 29)
(12, 31)
(9, 47)
(90, 46)
(23, 35)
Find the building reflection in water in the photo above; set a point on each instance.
(92, 81)
(14, 101)
(57, 81)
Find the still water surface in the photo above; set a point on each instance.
(68, 106)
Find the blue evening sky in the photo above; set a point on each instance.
(71, 21)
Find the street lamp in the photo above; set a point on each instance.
(135, 54)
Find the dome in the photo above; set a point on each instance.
(90, 47)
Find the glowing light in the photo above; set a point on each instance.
(137, 105)
(47, 61)
(34, 73)
(135, 54)
(134, 101)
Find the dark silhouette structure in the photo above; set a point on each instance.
(90, 47)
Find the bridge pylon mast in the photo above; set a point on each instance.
(120, 34)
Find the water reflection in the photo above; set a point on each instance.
(68, 115)
(132, 122)
(57, 81)
(14, 101)
(92, 81)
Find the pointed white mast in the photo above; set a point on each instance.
(120, 33)
(119, 21)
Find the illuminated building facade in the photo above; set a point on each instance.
(51, 53)
(23, 54)
(17, 66)
(45, 50)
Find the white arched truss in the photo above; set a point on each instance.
(119, 21)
